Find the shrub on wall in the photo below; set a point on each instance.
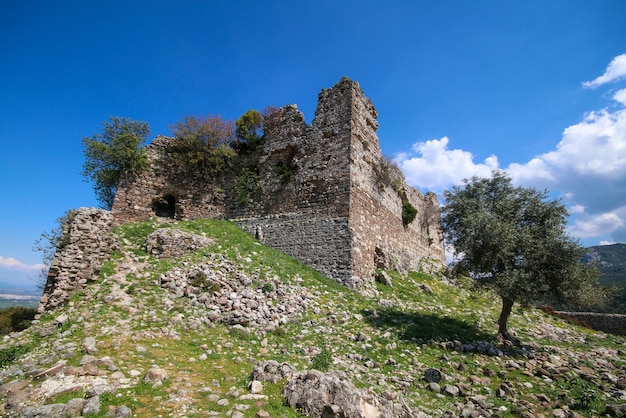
(408, 213)
(115, 152)
(202, 146)
(285, 171)
(247, 185)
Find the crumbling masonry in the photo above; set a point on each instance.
(325, 193)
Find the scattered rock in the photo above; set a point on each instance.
(169, 243)
(155, 376)
(256, 386)
(89, 345)
(450, 390)
(92, 405)
(332, 394)
(383, 278)
(618, 410)
(433, 376)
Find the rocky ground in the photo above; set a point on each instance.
(198, 319)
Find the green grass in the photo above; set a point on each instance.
(383, 342)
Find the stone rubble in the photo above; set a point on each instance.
(232, 297)
(171, 243)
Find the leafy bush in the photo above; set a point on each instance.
(587, 396)
(202, 146)
(408, 213)
(115, 152)
(285, 171)
(247, 185)
(249, 130)
(9, 354)
(322, 361)
(15, 318)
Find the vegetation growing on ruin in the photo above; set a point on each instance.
(247, 185)
(112, 153)
(202, 146)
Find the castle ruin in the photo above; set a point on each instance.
(325, 193)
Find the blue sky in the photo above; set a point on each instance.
(461, 87)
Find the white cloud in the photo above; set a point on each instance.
(587, 167)
(615, 71)
(13, 264)
(433, 166)
(595, 225)
(620, 97)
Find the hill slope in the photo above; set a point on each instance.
(181, 336)
(612, 262)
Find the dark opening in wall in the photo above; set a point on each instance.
(380, 260)
(165, 207)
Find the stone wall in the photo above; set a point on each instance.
(141, 197)
(86, 244)
(339, 210)
(381, 239)
(609, 323)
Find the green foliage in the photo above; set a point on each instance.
(15, 318)
(247, 185)
(115, 152)
(322, 361)
(587, 396)
(513, 240)
(136, 234)
(249, 129)
(408, 213)
(10, 354)
(202, 146)
(285, 170)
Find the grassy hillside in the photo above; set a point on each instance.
(384, 343)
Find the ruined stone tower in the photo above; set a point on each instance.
(325, 193)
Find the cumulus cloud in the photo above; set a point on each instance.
(13, 264)
(595, 225)
(587, 167)
(433, 166)
(615, 71)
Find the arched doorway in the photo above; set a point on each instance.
(165, 207)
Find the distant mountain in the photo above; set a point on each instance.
(612, 262)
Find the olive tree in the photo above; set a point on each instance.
(513, 240)
(117, 150)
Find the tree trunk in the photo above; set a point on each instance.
(503, 332)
